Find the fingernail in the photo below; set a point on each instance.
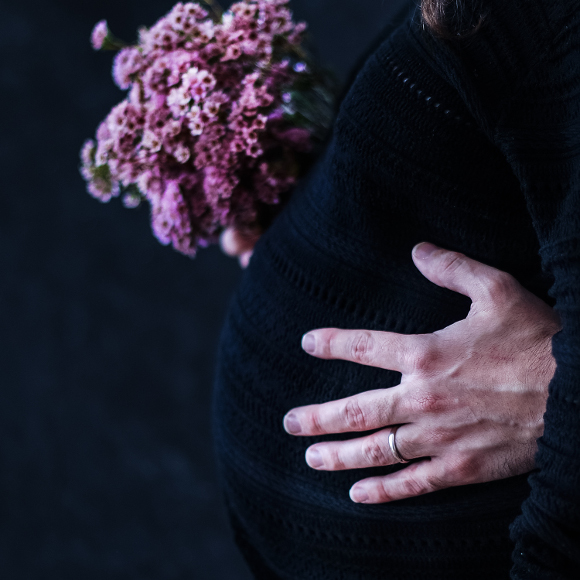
(359, 495)
(309, 343)
(314, 459)
(423, 250)
(292, 425)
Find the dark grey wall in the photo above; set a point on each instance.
(107, 338)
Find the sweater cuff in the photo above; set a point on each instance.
(547, 534)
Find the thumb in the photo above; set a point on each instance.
(461, 274)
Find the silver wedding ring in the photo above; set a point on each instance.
(393, 446)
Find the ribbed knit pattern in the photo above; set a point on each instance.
(473, 145)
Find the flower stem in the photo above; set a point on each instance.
(215, 8)
(112, 43)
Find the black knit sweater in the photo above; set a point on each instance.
(473, 145)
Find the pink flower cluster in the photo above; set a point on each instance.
(207, 133)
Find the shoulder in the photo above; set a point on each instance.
(546, 17)
(516, 38)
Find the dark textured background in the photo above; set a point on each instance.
(107, 338)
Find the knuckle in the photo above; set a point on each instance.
(384, 491)
(406, 448)
(362, 347)
(412, 487)
(383, 411)
(424, 356)
(501, 287)
(329, 342)
(434, 482)
(463, 471)
(513, 463)
(437, 436)
(313, 423)
(374, 453)
(353, 416)
(334, 460)
(451, 262)
(425, 402)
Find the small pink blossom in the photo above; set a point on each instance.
(201, 33)
(195, 11)
(178, 101)
(88, 152)
(237, 145)
(177, 16)
(117, 118)
(254, 150)
(233, 52)
(194, 121)
(151, 185)
(244, 10)
(102, 188)
(103, 151)
(297, 34)
(151, 141)
(251, 135)
(100, 32)
(259, 122)
(131, 200)
(181, 153)
(199, 83)
(127, 63)
(171, 222)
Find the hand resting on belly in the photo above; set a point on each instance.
(470, 404)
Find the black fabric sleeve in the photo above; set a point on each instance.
(519, 76)
(539, 132)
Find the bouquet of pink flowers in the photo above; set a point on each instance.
(221, 118)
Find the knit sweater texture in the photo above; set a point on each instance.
(472, 144)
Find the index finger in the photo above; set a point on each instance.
(386, 350)
(362, 412)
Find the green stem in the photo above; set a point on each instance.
(112, 43)
(300, 53)
(215, 8)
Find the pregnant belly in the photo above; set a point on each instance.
(299, 520)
